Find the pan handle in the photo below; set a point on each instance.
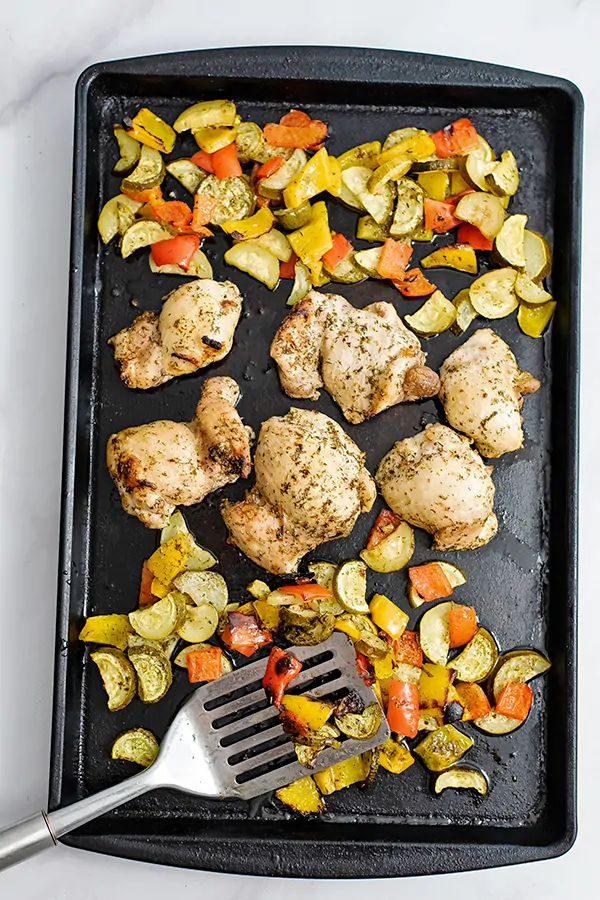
(41, 831)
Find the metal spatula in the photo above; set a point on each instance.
(226, 741)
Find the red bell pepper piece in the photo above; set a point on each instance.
(340, 250)
(288, 269)
(225, 162)
(204, 160)
(439, 215)
(386, 522)
(430, 581)
(152, 195)
(282, 667)
(306, 591)
(295, 118)
(413, 284)
(456, 139)
(204, 664)
(175, 213)
(463, 625)
(470, 234)
(394, 259)
(293, 724)
(176, 251)
(269, 167)
(515, 701)
(364, 668)
(403, 708)
(244, 634)
(146, 597)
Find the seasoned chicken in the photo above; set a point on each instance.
(193, 329)
(436, 481)
(311, 486)
(482, 392)
(164, 464)
(365, 358)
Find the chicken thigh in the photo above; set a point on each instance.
(193, 329)
(482, 392)
(164, 464)
(366, 358)
(311, 486)
(436, 481)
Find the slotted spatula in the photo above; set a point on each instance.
(226, 741)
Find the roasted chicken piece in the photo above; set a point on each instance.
(164, 464)
(193, 329)
(311, 486)
(436, 481)
(482, 391)
(365, 358)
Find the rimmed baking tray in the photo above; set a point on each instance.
(523, 583)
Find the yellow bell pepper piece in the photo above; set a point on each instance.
(312, 179)
(387, 616)
(458, 184)
(433, 686)
(313, 240)
(246, 609)
(341, 775)
(301, 795)
(383, 668)
(212, 139)
(313, 712)
(151, 130)
(335, 176)
(416, 147)
(435, 184)
(112, 630)
(159, 589)
(252, 227)
(268, 615)
(171, 558)
(376, 688)
(348, 628)
(363, 155)
(395, 757)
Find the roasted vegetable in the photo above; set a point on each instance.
(198, 267)
(204, 663)
(314, 629)
(403, 707)
(129, 148)
(367, 229)
(234, 195)
(207, 114)
(516, 667)
(493, 294)
(363, 155)
(149, 172)
(368, 261)
(435, 316)
(463, 625)
(533, 320)
(538, 258)
(343, 774)
(379, 203)
(409, 212)
(354, 625)
(276, 243)
(482, 210)
(413, 284)
(306, 178)
(510, 241)
(431, 719)
(350, 585)
(256, 261)
(314, 713)
(494, 723)
(313, 240)
(302, 796)
(204, 587)
(175, 251)
(199, 624)
(187, 173)
(118, 676)
(162, 618)
(268, 616)
(152, 131)
(477, 659)
(442, 748)
(282, 668)
(515, 701)
(435, 184)
(347, 272)
(292, 219)
(172, 557)
(503, 180)
(473, 699)
(452, 256)
(154, 673)
(395, 757)
(181, 658)
(360, 726)
(456, 139)
(407, 650)
(461, 778)
(138, 745)
(393, 552)
(479, 163)
(530, 291)
(439, 216)
(302, 284)
(430, 581)
(117, 216)
(433, 686)
(434, 631)
(244, 634)
(112, 630)
(470, 234)
(251, 227)
(142, 234)
(465, 312)
(387, 616)
(372, 646)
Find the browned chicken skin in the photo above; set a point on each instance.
(365, 358)
(194, 328)
(164, 464)
(311, 486)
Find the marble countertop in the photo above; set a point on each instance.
(43, 48)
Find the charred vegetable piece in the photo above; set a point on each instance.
(533, 320)
(518, 666)
(204, 663)
(434, 631)
(407, 649)
(152, 131)
(413, 284)
(403, 707)
(442, 748)
(439, 216)
(138, 745)
(503, 180)
(434, 685)
(463, 625)
(142, 234)
(282, 668)
(462, 778)
(343, 774)
(477, 659)
(260, 590)
(118, 676)
(199, 624)
(493, 294)
(350, 585)
(430, 581)
(302, 796)
(129, 148)
(372, 646)
(154, 673)
(312, 630)
(161, 619)
(244, 634)
(409, 213)
(393, 552)
(234, 196)
(204, 587)
(395, 757)
(456, 139)
(435, 316)
(360, 726)
(112, 630)
(453, 256)
(387, 616)
(314, 713)
(473, 700)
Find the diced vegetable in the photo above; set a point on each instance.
(435, 316)
(482, 210)
(204, 587)
(435, 184)
(152, 131)
(149, 172)
(407, 649)
(162, 618)
(314, 713)
(244, 634)
(187, 173)
(175, 213)
(395, 757)
(430, 581)
(439, 216)
(473, 699)
(360, 726)
(431, 719)
(269, 167)
(234, 195)
(129, 148)
(340, 249)
(138, 745)
(533, 320)
(463, 625)
(199, 624)
(204, 161)
(153, 670)
(342, 774)
(260, 590)
(494, 723)
(479, 163)
(363, 155)
(181, 658)
(391, 553)
(141, 234)
(510, 241)
(146, 594)
(282, 668)
(301, 795)
(452, 256)
(313, 240)
(255, 261)
(303, 136)
(409, 213)
(112, 630)
(387, 616)
(379, 203)
(463, 779)
(518, 666)
(538, 258)
(251, 227)
(434, 631)
(306, 591)
(530, 291)
(118, 676)
(372, 646)
(175, 251)
(212, 140)
(456, 139)
(515, 701)
(367, 229)
(305, 627)
(442, 748)
(503, 180)
(302, 284)
(465, 312)
(413, 284)
(268, 616)
(403, 708)
(477, 659)
(434, 684)
(117, 216)
(393, 258)
(470, 234)
(225, 162)
(204, 664)
(368, 260)
(493, 294)
(249, 141)
(350, 585)
(277, 244)
(206, 114)
(171, 557)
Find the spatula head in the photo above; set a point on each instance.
(228, 741)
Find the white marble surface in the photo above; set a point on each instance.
(43, 47)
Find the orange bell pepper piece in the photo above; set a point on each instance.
(403, 708)
(364, 668)
(176, 251)
(204, 160)
(146, 597)
(306, 591)
(282, 668)
(393, 259)
(269, 168)
(470, 234)
(456, 139)
(204, 208)
(244, 634)
(515, 701)
(413, 284)
(287, 269)
(430, 581)
(225, 162)
(473, 700)
(175, 212)
(204, 664)
(386, 522)
(153, 196)
(439, 215)
(340, 249)
(295, 118)
(407, 649)
(302, 136)
(463, 625)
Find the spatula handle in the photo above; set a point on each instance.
(40, 831)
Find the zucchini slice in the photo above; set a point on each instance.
(503, 180)
(305, 628)
(435, 316)
(388, 171)
(368, 260)
(161, 619)
(350, 585)
(465, 312)
(363, 155)
(372, 646)
(204, 587)
(149, 172)
(117, 215)
(393, 552)
(431, 719)
(518, 666)
(367, 229)
(462, 778)
(167, 645)
(206, 114)
(181, 658)
(510, 241)
(477, 660)
(533, 320)
(380, 203)
(530, 291)
(323, 573)
(249, 141)
(255, 261)
(493, 295)
(482, 210)
(154, 673)
(408, 216)
(437, 165)
(538, 258)
(141, 234)
(187, 173)
(138, 745)
(175, 525)
(360, 726)
(276, 243)
(118, 676)
(347, 272)
(199, 624)
(434, 632)
(199, 267)
(129, 149)
(494, 723)
(452, 573)
(443, 747)
(302, 284)
(453, 256)
(280, 179)
(234, 195)
(292, 219)
(215, 138)
(414, 598)
(479, 163)
(395, 137)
